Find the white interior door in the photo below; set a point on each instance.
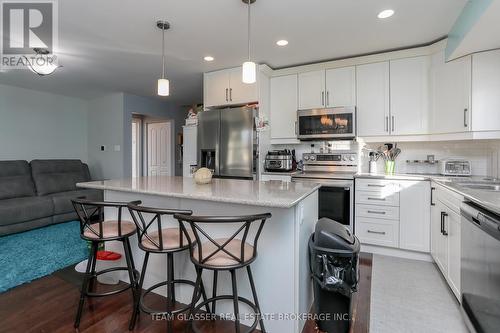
(159, 149)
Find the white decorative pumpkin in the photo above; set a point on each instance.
(203, 176)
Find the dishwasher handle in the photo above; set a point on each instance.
(483, 219)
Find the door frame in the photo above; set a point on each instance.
(170, 123)
(140, 147)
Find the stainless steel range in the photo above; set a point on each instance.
(335, 172)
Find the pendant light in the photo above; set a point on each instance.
(163, 83)
(249, 69)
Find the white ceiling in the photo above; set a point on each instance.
(114, 45)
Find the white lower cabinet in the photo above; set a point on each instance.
(393, 213)
(445, 235)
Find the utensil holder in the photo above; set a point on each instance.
(389, 167)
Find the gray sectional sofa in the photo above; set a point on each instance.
(39, 193)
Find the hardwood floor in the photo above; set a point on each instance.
(49, 305)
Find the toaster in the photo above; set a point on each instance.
(455, 167)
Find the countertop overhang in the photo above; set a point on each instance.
(247, 192)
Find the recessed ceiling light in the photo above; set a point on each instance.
(282, 42)
(385, 14)
(208, 58)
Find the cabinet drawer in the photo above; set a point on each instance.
(378, 198)
(377, 231)
(449, 198)
(283, 178)
(377, 212)
(376, 185)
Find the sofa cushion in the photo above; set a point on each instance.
(62, 200)
(53, 176)
(15, 180)
(18, 210)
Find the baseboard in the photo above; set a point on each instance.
(386, 251)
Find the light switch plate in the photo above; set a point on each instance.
(117, 148)
(103, 148)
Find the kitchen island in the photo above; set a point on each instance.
(281, 271)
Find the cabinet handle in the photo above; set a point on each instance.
(226, 95)
(327, 98)
(392, 124)
(465, 117)
(377, 199)
(432, 196)
(375, 212)
(231, 94)
(375, 185)
(387, 123)
(295, 127)
(445, 232)
(376, 232)
(323, 98)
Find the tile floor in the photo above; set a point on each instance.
(411, 296)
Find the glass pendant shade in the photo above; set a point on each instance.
(163, 87)
(249, 72)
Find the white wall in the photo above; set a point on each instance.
(36, 124)
(105, 124)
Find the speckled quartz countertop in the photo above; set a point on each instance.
(247, 192)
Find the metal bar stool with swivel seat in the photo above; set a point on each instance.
(154, 238)
(225, 254)
(95, 229)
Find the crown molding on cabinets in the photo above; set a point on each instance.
(366, 59)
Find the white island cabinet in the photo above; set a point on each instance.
(281, 270)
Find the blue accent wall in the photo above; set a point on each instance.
(471, 13)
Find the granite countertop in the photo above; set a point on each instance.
(247, 192)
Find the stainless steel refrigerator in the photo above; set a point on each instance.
(227, 142)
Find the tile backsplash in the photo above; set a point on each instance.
(483, 154)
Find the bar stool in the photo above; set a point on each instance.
(96, 230)
(153, 238)
(225, 254)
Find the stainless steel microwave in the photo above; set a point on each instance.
(333, 123)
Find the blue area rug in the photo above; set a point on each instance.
(33, 254)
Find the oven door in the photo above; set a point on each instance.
(335, 199)
(334, 123)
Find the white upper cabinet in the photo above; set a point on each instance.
(239, 92)
(486, 91)
(284, 107)
(451, 91)
(225, 87)
(312, 90)
(372, 85)
(334, 87)
(341, 87)
(409, 96)
(216, 88)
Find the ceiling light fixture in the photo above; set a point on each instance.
(249, 69)
(282, 42)
(163, 83)
(385, 14)
(208, 58)
(42, 63)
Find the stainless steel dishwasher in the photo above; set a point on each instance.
(480, 272)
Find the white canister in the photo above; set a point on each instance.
(372, 167)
